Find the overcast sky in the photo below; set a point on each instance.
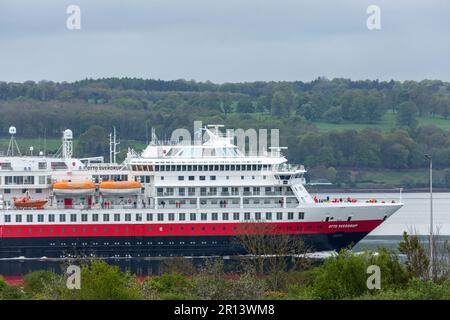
(224, 40)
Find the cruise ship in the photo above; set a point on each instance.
(174, 198)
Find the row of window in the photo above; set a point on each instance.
(37, 190)
(211, 167)
(28, 180)
(117, 217)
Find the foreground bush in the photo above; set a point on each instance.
(8, 292)
(345, 276)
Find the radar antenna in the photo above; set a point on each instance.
(12, 147)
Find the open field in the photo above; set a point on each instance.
(52, 145)
(387, 123)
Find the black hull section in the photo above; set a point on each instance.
(141, 247)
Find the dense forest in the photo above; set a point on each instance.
(91, 107)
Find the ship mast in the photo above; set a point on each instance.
(113, 143)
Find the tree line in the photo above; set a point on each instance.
(91, 107)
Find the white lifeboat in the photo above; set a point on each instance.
(73, 188)
(120, 187)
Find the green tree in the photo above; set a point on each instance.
(94, 141)
(407, 114)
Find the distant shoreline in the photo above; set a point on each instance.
(315, 189)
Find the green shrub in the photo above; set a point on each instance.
(8, 292)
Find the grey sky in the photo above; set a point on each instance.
(225, 41)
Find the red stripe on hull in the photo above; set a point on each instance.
(183, 229)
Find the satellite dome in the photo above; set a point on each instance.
(68, 134)
(12, 130)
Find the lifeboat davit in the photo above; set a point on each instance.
(28, 203)
(120, 187)
(73, 188)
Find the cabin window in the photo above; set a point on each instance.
(138, 217)
(204, 216)
(105, 217)
(149, 217)
(160, 217)
(279, 215)
(214, 216)
(193, 217)
(73, 218)
(18, 218)
(127, 216)
(7, 218)
(225, 216)
(171, 216)
(116, 217)
(257, 215)
(268, 215)
(84, 217)
(301, 215)
(95, 217)
(180, 178)
(40, 218)
(246, 215)
(236, 216)
(182, 217)
(62, 218)
(290, 215)
(29, 218)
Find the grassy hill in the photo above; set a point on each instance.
(388, 122)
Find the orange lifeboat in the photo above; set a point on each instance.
(73, 188)
(28, 203)
(120, 187)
